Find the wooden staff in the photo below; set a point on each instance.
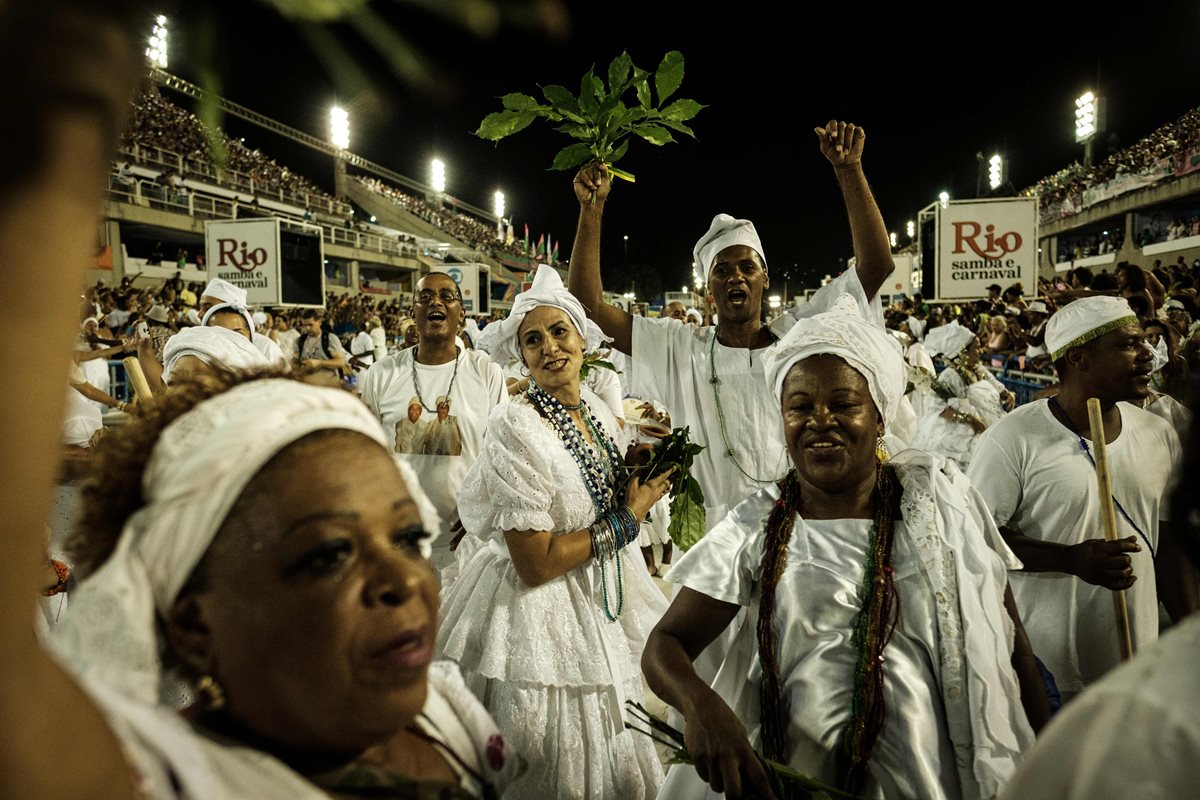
(1109, 516)
(137, 379)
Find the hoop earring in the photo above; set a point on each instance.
(524, 370)
(881, 452)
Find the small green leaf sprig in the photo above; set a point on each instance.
(687, 524)
(598, 117)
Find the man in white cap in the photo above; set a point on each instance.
(437, 373)
(710, 378)
(1036, 471)
(222, 291)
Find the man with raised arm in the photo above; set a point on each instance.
(711, 378)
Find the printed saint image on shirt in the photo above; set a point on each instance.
(423, 432)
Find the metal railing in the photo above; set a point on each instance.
(187, 166)
(149, 194)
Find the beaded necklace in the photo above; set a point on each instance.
(417, 384)
(873, 628)
(597, 464)
(715, 380)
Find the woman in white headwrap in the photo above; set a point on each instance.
(877, 652)
(550, 609)
(964, 401)
(289, 589)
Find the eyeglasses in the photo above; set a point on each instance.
(448, 298)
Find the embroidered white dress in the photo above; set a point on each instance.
(950, 438)
(954, 725)
(544, 660)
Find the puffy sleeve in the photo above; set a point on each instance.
(725, 564)
(607, 387)
(511, 485)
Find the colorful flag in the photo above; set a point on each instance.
(540, 251)
(554, 254)
(526, 245)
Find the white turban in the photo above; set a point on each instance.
(1086, 319)
(110, 635)
(948, 340)
(694, 313)
(726, 231)
(547, 290)
(219, 307)
(842, 331)
(225, 291)
(215, 346)
(1174, 305)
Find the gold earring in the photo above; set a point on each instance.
(881, 451)
(209, 693)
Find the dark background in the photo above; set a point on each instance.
(933, 84)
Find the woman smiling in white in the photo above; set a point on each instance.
(550, 611)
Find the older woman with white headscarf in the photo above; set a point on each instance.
(877, 652)
(549, 612)
(964, 401)
(291, 591)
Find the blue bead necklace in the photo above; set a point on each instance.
(597, 464)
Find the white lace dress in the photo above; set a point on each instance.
(545, 661)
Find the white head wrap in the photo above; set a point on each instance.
(1174, 304)
(229, 307)
(215, 346)
(1086, 319)
(192, 317)
(547, 290)
(948, 340)
(259, 318)
(111, 635)
(226, 292)
(726, 231)
(693, 313)
(842, 331)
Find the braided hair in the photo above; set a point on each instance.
(873, 629)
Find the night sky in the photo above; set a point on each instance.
(932, 84)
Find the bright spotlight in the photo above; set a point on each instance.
(995, 171)
(498, 206)
(339, 128)
(156, 46)
(438, 175)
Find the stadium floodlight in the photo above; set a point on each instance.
(498, 207)
(944, 198)
(995, 171)
(892, 238)
(339, 128)
(910, 228)
(438, 175)
(774, 301)
(156, 46)
(1085, 117)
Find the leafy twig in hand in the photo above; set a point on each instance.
(598, 118)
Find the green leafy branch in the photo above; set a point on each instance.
(786, 783)
(598, 118)
(688, 518)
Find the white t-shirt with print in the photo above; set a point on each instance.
(388, 389)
